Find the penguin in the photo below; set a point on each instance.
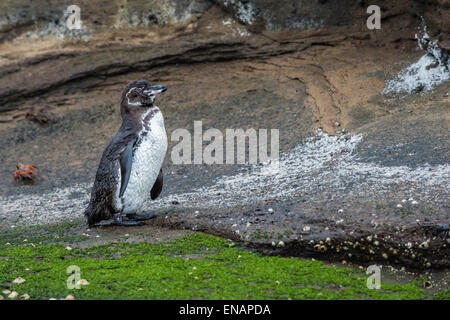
(130, 167)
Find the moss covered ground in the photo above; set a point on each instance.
(194, 266)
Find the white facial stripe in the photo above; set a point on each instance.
(132, 103)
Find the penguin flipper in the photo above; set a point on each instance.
(157, 186)
(126, 160)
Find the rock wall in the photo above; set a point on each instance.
(40, 18)
(307, 14)
(117, 34)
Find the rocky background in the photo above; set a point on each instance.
(376, 162)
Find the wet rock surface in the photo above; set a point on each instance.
(362, 176)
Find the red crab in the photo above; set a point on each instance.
(26, 171)
(41, 117)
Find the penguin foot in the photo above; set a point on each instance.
(130, 223)
(141, 217)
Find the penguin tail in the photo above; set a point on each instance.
(96, 214)
(90, 216)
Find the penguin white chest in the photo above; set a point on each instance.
(148, 157)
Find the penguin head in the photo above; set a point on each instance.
(140, 94)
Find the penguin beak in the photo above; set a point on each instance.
(154, 90)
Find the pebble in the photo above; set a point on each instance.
(83, 282)
(25, 296)
(414, 202)
(18, 280)
(399, 206)
(424, 245)
(270, 210)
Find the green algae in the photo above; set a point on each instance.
(197, 266)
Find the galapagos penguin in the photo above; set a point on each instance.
(130, 168)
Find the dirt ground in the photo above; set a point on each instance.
(363, 177)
